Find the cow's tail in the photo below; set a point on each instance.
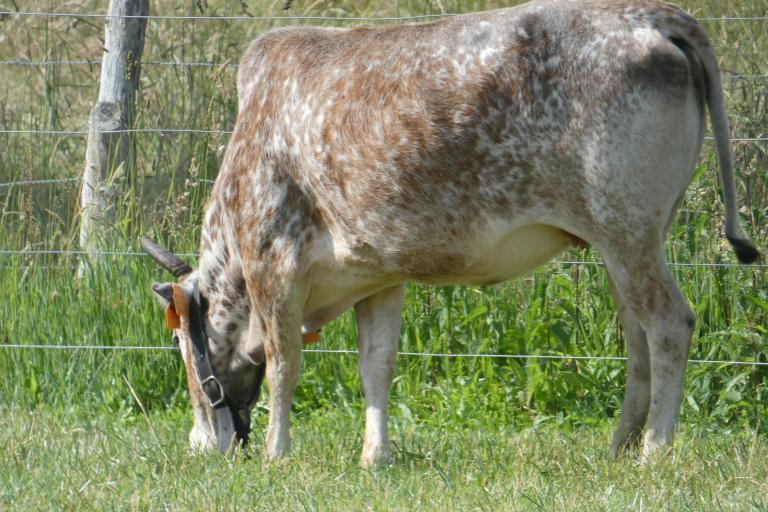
(681, 28)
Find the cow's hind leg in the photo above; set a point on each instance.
(378, 324)
(637, 396)
(646, 287)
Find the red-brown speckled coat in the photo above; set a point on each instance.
(468, 150)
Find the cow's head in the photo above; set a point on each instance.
(222, 385)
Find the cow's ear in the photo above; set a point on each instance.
(173, 295)
(165, 295)
(176, 301)
(164, 292)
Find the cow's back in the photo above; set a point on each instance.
(416, 138)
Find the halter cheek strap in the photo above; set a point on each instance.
(233, 421)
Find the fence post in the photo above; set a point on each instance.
(107, 161)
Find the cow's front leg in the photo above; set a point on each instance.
(378, 324)
(282, 350)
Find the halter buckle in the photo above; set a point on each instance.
(212, 399)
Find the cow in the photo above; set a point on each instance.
(468, 150)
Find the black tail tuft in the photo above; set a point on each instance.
(745, 251)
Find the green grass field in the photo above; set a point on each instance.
(107, 428)
(86, 461)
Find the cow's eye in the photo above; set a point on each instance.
(175, 340)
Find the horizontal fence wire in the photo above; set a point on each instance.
(66, 252)
(4, 14)
(83, 133)
(59, 181)
(286, 17)
(48, 63)
(721, 362)
(24, 183)
(46, 346)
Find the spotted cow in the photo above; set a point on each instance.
(466, 150)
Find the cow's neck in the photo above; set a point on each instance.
(222, 283)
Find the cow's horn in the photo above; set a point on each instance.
(166, 258)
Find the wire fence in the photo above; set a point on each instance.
(67, 252)
(90, 63)
(27, 183)
(227, 65)
(134, 346)
(284, 17)
(43, 252)
(288, 17)
(63, 181)
(554, 357)
(82, 133)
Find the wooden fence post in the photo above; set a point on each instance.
(108, 144)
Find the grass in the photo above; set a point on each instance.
(470, 433)
(85, 461)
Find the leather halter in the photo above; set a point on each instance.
(233, 420)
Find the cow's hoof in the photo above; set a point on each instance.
(624, 443)
(277, 453)
(655, 448)
(376, 460)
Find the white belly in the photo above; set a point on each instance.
(495, 256)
